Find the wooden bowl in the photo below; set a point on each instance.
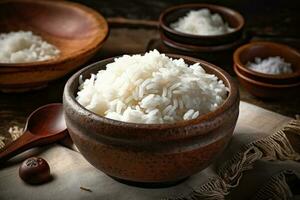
(267, 90)
(248, 52)
(76, 30)
(150, 153)
(172, 14)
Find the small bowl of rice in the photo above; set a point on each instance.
(41, 41)
(201, 25)
(267, 69)
(151, 118)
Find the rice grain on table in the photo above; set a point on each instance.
(151, 88)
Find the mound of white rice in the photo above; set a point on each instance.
(151, 88)
(24, 46)
(201, 22)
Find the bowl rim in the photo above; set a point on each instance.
(259, 83)
(169, 10)
(99, 19)
(198, 48)
(245, 47)
(232, 98)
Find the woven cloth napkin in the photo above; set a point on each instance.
(261, 162)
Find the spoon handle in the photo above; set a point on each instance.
(27, 141)
(21, 144)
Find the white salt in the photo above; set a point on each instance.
(270, 65)
(201, 22)
(24, 46)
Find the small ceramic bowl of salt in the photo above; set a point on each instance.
(268, 70)
(201, 24)
(268, 62)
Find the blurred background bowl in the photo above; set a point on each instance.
(248, 52)
(235, 20)
(76, 30)
(267, 90)
(150, 153)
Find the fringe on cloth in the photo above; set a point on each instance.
(273, 147)
(277, 187)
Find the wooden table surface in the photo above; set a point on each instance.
(132, 33)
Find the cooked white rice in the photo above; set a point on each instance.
(2, 143)
(15, 132)
(151, 88)
(201, 22)
(270, 65)
(21, 46)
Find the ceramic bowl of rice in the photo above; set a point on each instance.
(41, 41)
(201, 24)
(151, 118)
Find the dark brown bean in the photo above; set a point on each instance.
(35, 170)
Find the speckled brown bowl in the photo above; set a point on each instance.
(172, 14)
(155, 153)
(248, 52)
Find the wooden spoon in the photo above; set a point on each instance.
(44, 126)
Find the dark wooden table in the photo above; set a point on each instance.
(133, 26)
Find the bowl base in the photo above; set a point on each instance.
(150, 184)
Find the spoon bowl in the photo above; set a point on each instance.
(53, 120)
(44, 126)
